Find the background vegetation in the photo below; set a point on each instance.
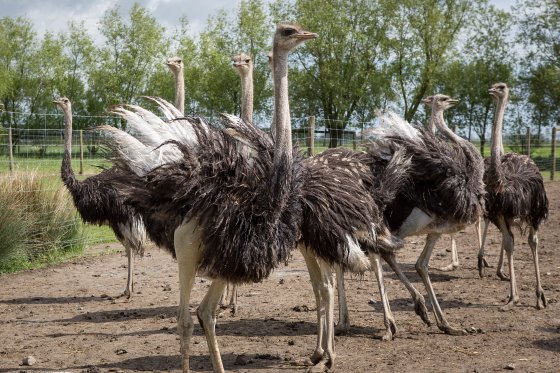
(371, 54)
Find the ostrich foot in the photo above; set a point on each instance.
(541, 299)
(482, 264)
(324, 365)
(421, 310)
(390, 332)
(450, 267)
(341, 328)
(502, 275)
(453, 331)
(234, 309)
(510, 304)
(312, 360)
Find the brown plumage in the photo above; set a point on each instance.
(515, 196)
(99, 200)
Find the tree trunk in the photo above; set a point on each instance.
(482, 143)
(336, 134)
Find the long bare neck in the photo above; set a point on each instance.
(283, 139)
(66, 171)
(247, 96)
(468, 149)
(180, 91)
(497, 146)
(431, 126)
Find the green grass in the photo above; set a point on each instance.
(38, 224)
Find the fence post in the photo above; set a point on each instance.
(529, 141)
(10, 149)
(553, 153)
(311, 135)
(353, 140)
(81, 152)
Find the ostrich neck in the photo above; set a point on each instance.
(247, 96)
(180, 91)
(283, 133)
(470, 152)
(497, 146)
(431, 127)
(66, 171)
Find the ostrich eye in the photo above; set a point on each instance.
(288, 32)
(247, 61)
(179, 61)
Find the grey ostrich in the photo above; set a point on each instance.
(239, 217)
(445, 194)
(516, 197)
(243, 64)
(100, 202)
(177, 66)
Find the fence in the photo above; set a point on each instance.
(41, 150)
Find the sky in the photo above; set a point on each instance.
(53, 15)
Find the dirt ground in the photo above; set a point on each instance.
(65, 318)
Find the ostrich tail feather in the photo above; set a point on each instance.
(392, 125)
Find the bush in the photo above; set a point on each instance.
(38, 224)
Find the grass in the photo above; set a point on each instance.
(38, 224)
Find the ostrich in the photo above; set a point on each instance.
(243, 64)
(446, 194)
(515, 197)
(454, 256)
(240, 217)
(100, 202)
(176, 66)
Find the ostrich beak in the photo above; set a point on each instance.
(453, 101)
(305, 35)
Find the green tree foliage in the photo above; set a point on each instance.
(485, 58)
(129, 56)
(539, 34)
(342, 75)
(425, 34)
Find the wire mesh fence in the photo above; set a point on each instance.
(40, 150)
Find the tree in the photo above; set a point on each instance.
(425, 33)
(128, 58)
(343, 74)
(480, 63)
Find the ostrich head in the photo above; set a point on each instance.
(242, 63)
(288, 36)
(499, 91)
(440, 102)
(63, 103)
(175, 64)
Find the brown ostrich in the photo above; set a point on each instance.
(516, 197)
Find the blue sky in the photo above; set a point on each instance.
(53, 15)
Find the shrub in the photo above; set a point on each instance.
(38, 223)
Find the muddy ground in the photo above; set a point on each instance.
(65, 318)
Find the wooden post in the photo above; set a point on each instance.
(10, 149)
(354, 140)
(81, 152)
(553, 154)
(529, 141)
(311, 135)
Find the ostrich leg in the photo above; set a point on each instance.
(315, 276)
(187, 250)
(206, 314)
(454, 257)
(388, 319)
(343, 316)
(500, 269)
(533, 243)
(419, 301)
(129, 280)
(422, 269)
(482, 263)
(508, 246)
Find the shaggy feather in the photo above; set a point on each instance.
(516, 191)
(446, 180)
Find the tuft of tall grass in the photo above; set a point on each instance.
(38, 222)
